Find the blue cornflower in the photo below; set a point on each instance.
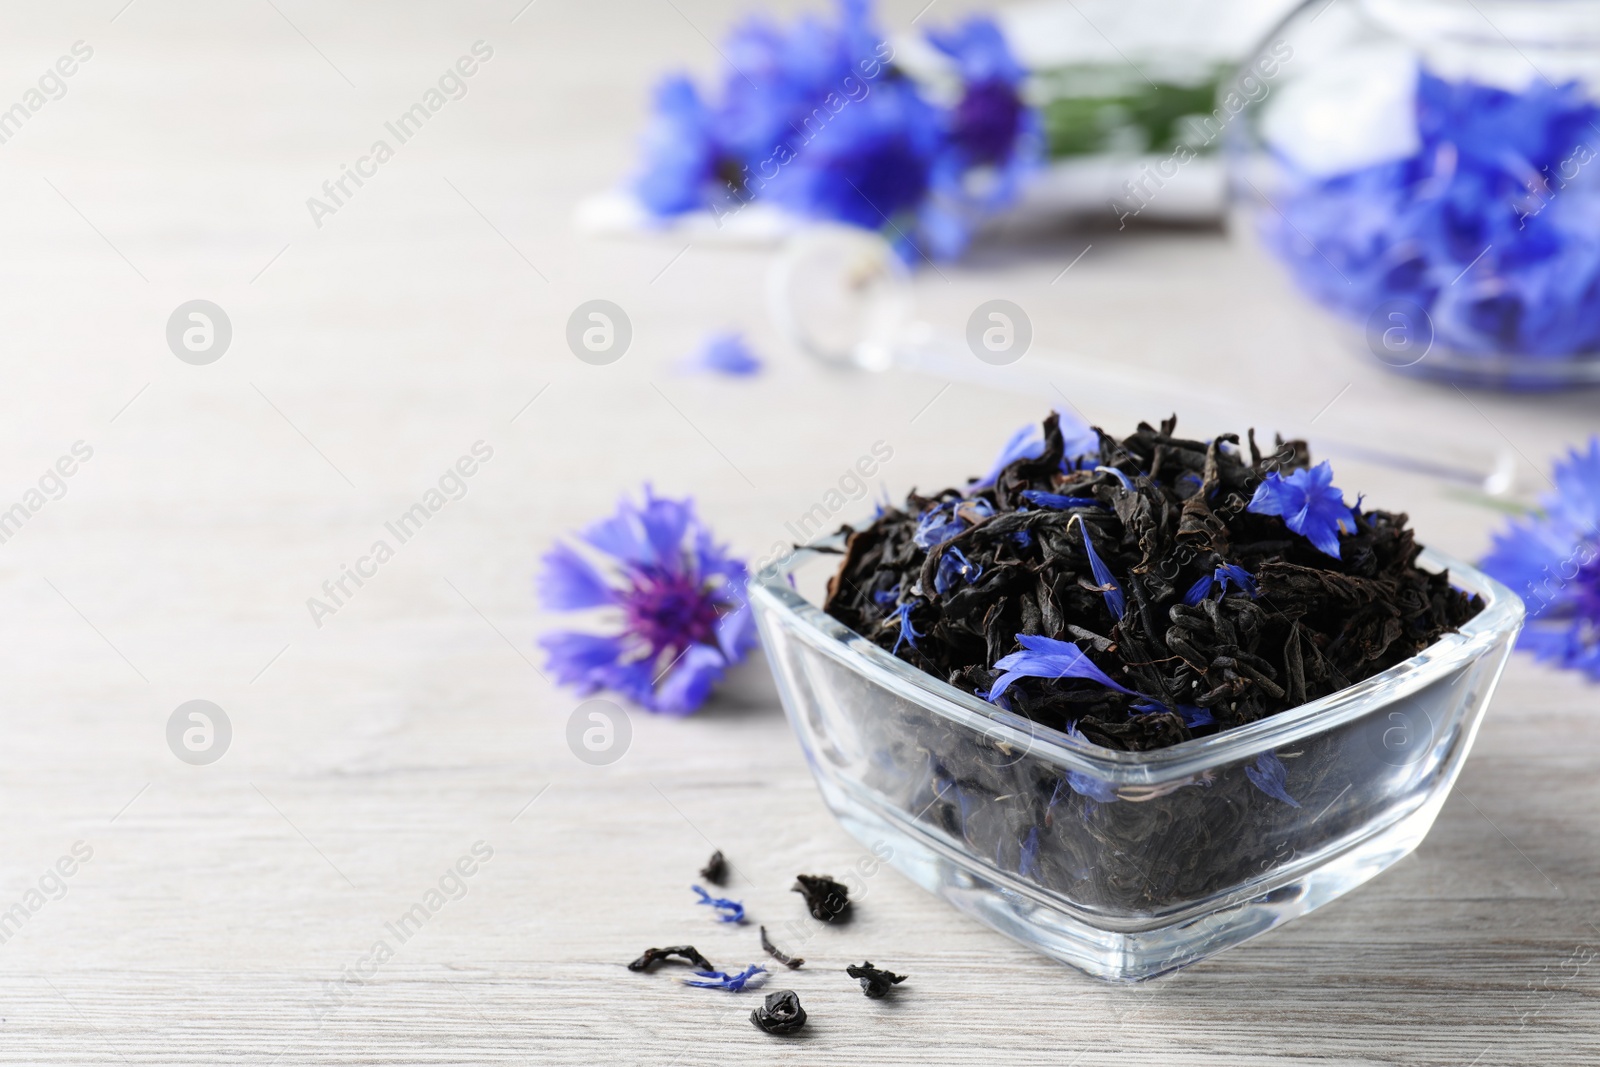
(954, 566)
(728, 911)
(1045, 657)
(1553, 562)
(1269, 775)
(1309, 504)
(1222, 576)
(1028, 443)
(813, 117)
(990, 115)
(1116, 603)
(1484, 217)
(681, 150)
(869, 165)
(733, 983)
(1057, 502)
(885, 597)
(727, 354)
(992, 139)
(678, 598)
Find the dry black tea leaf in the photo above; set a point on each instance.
(686, 953)
(827, 900)
(716, 869)
(875, 983)
(792, 962)
(780, 1013)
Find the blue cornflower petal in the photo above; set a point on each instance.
(1057, 502)
(728, 911)
(725, 353)
(1192, 716)
(1089, 786)
(736, 633)
(980, 51)
(1045, 657)
(621, 537)
(690, 680)
(908, 632)
(581, 660)
(571, 583)
(937, 525)
(733, 983)
(1309, 504)
(1116, 603)
(1028, 857)
(954, 566)
(1232, 572)
(1028, 443)
(1269, 775)
(680, 150)
(1221, 576)
(1127, 483)
(665, 523)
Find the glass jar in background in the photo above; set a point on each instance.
(1429, 171)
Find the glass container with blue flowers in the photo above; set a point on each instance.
(1427, 171)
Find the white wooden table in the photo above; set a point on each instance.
(222, 903)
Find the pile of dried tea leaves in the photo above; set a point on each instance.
(1143, 565)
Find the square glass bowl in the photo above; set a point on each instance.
(1128, 865)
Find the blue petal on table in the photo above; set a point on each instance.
(752, 975)
(724, 353)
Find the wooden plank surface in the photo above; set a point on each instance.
(222, 903)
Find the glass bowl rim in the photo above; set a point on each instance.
(1502, 615)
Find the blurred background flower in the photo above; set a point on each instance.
(1552, 560)
(1427, 182)
(928, 137)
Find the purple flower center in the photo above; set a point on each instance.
(1586, 593)
(986, 120)
(671, 611)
